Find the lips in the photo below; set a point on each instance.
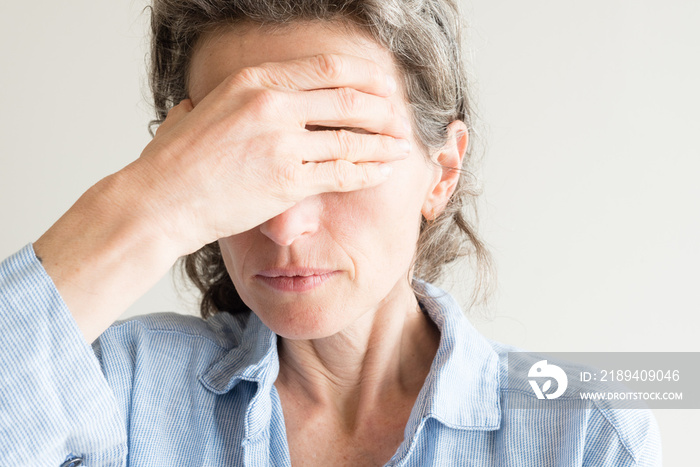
(295, 280)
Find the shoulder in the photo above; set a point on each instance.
(606, 433)
(223, 329)
(171, 333)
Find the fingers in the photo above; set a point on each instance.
(342, 161)
(346, 107)
(327, 71)
(345, 145)
(343, 176)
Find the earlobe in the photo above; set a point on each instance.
(450, 157)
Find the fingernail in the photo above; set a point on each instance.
(391, 82)
(407, 124)
(386, 170)
(404, 146)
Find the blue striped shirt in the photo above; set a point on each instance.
(174, 390)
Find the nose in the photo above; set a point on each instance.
(299, 220)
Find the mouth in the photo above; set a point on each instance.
(295, 280)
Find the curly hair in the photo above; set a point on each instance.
(424, 37)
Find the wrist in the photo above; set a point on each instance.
(139, 202)
(105, 252)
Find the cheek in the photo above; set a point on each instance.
(400, 199)
(380, 222)
(370, 228)
(233, 251)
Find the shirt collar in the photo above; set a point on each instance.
(462, 389)
(253, 358)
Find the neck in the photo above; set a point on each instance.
(376, 363)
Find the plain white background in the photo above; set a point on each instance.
(591, 124)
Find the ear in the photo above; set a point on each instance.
(450, 157)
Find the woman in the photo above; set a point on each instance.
(311, 170)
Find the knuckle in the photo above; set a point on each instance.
(346, 142)
(173, 112)
(365, 175)
(330, 66)
(159, 129)
(342, 175)
(186, 105)
(384, 144)
(246, 76)
(265, 101)
(269, 74)
(349, 101)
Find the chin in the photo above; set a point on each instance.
(305, 321)
(303, 325)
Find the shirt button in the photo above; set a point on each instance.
(73, 462)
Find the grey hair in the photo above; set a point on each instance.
(425, 38)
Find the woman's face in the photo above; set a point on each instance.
(357, 246)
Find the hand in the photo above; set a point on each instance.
(218, 167)
(245, 153)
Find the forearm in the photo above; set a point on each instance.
(55, 399)
(107, 250)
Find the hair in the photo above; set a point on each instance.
(424, 37)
